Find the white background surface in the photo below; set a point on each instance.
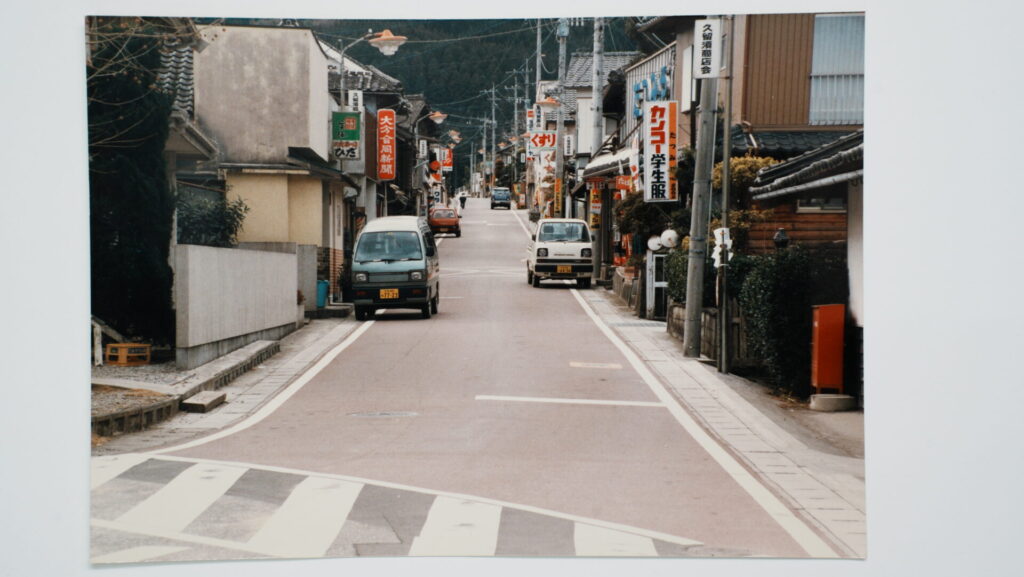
(944, 315)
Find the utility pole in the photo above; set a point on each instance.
(494, 138)
(698, 217)
(540, 65)
(723, 307)
(563, 34)
(596, 139)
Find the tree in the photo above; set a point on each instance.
(131, 205)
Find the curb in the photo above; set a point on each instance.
(138, 419)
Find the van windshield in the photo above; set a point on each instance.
(390, 245)
(563, 232)
(501, 193)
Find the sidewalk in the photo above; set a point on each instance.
(813, 461)
(298, 352)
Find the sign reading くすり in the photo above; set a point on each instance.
(386, 148)
(660, 120)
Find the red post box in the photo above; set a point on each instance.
(827, 347)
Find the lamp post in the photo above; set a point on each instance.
(384, 41)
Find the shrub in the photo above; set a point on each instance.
(677, 270)
(777, 292)
(209, 221)
(776, 301)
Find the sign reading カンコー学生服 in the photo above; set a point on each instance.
(660, 120)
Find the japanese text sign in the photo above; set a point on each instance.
(660, 126)
(386, 145)
(446, 160)
(543, 140)
(707, 49)
(345, 135)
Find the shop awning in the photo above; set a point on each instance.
(608, 164)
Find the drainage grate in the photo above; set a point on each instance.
(385, 414)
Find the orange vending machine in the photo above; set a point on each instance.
(827, 347)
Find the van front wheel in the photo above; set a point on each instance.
(426, 311)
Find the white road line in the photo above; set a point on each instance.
(307, 523)
(136, 554)
(577, 365)
(591, 541)
(103, 469)
(458, 527)
(506, 504)
(275, 403)
(179, 502)
(814, 545)
(568, 401)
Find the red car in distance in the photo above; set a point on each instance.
(444, 219)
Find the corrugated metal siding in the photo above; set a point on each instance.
(837, 70)
(641, 73)
(777, 74)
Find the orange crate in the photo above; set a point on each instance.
(127, 354)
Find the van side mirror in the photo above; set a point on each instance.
(533, 237)
(430, 251)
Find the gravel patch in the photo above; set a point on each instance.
(108, 400)
(159, 373)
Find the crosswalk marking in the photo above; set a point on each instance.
(592, 541)
(457, 527)
(104, 469)
(179, 502)
(309, 520)
(137, 554)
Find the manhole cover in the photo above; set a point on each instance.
(385, 414)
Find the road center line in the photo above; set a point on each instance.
(814, 545)
(568, 401)
(578, 365)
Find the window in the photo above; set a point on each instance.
(388, 246)
(821, 204)
(837, 70)
(563, 232)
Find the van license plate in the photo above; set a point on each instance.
(389, 293)
(563, 269)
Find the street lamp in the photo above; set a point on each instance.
(384, 41)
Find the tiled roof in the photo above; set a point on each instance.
(369, 80)
(844, 154)
(175, 75)
(782, 145)
(580, 71)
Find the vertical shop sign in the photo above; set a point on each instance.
(345, 135)
(660, 120)
(386, 148)
(707, 49)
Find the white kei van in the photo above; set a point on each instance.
(561, 248)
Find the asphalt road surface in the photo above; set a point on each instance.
(508, 424)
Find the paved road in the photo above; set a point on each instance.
(508, 424)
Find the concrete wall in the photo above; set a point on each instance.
(267, 198)
(307, 274)
(305, 210)
(260, 90)
(228, 298)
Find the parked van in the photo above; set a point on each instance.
(395, 266)
(501, 196)
(561, 248)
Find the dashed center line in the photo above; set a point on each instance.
(568, 401)
(578, 365)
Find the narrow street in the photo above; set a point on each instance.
(508, 424)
